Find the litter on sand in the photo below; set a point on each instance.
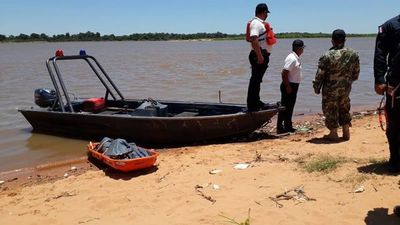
(241, 166)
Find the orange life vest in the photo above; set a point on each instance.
(270, 35)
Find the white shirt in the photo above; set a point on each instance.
(293, 65)
(257, 28)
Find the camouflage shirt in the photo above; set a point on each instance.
(337, 69)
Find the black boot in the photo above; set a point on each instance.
(393, 167)
(396, 210)
(394, 161)
(289, 127)
(279, 125)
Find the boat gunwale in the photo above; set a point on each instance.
(237, 114)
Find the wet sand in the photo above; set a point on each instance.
(200, 185)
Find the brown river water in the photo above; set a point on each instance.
(181, 70)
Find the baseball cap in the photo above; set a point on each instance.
(298, 44)
(339, 35)
(261, 8)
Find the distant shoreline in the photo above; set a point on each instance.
(91, 36)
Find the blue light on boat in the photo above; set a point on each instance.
(82, 52)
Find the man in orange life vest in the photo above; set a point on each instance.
(257, 34)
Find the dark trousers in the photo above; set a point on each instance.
(287, 100)
(393, 130)
(257, 73)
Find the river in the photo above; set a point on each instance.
(169, 70)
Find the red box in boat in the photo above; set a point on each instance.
(124, 165)
(93, 104)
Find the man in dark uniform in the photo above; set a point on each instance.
(387, 61)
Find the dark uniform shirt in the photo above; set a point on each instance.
(387, 53)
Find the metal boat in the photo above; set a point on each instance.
(142, 121)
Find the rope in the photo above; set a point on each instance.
(381, 109)
(382, 113)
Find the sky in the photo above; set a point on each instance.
(122, 17)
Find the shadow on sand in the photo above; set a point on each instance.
(118, 175)
(380, 216)
(376, 168)
(255, 136)
(322, 140)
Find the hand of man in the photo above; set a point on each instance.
(260, 60)
(380, 89)
(288, 89)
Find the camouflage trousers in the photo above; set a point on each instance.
(336, 110)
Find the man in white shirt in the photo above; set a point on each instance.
(258, 57)
(291, 78)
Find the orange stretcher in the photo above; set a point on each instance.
(124, 165)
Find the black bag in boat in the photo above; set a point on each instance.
(150, 107)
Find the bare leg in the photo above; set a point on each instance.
(333, 135)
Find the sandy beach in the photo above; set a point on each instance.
(268, 179)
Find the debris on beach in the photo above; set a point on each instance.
(62, 195)
(257, 159)
(9, 180)
(201, 193)
(215, 171)
(307, 127)
(283, 158)
(303, 129)
(215, 187)
(298, 194)
(163, 177)
(359, 190)
(12, 179)
(364, 113)
(202, 185)
(241, 166)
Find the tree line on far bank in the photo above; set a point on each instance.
(91, 36)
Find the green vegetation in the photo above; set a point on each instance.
(323, 163)
(232, 221)
(91, 36)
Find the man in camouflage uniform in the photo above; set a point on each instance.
(338, 68)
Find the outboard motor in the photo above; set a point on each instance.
(45, 97)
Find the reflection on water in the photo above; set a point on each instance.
(193, 71)
(21, 148)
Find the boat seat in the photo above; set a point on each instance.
(186, 114)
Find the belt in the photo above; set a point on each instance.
(394, 94)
